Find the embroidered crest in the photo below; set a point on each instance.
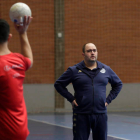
(102, 70)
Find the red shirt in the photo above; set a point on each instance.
(13, 113)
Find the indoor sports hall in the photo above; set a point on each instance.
(57, 33)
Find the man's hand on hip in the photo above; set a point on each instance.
(106, 104)
(74, 103)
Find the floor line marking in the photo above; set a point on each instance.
(124, 116)
(69, 127)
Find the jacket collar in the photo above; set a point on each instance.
(81, 65)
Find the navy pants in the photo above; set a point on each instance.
(84, 123)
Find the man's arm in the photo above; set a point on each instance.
(116, 85)
(25, 45)
(61, 84)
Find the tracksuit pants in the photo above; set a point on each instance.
(84, 123)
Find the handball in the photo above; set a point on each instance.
(18, 11)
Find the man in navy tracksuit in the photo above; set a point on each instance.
(89, 79)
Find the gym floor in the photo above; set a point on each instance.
(58, 126)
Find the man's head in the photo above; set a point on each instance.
(89, 52)
(4, 31)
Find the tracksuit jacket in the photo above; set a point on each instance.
(90, 92)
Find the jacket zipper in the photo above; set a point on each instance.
(92, 82)
(93, 87)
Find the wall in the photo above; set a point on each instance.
(112, 25)
(40, 98)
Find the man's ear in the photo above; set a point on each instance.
(10, 35)
(83, 54)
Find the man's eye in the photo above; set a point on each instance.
(88, 50)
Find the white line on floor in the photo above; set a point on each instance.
(69, 127)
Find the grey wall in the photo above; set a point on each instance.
(40, 98)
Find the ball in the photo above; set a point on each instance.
(18, 11)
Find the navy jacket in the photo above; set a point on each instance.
(90, 93)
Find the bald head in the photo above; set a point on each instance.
(87, 44)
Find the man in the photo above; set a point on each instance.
(13, 114)
(89, 79)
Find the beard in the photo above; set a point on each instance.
(93, 61)
(90, 60)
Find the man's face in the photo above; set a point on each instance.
(90, 54)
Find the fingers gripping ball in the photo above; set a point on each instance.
(18, 11)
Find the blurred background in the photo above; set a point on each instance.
(57, 33)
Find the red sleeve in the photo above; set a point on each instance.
(26, 61)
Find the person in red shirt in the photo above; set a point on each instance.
(13, 113)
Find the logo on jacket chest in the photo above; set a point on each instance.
(79, 71)
(102, 70)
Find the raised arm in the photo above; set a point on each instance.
(25, 45)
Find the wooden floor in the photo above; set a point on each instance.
(58, 126)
